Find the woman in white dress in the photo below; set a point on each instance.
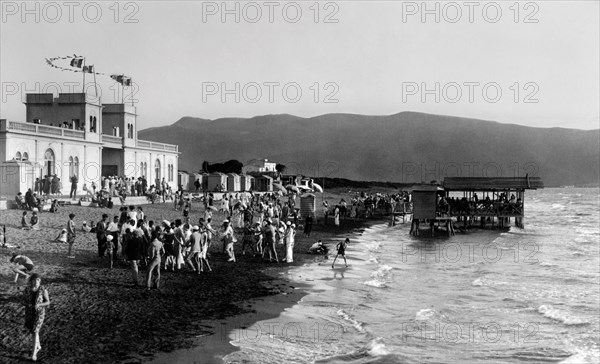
(336, 214)
(289, 242)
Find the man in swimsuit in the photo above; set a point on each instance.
(341, 250)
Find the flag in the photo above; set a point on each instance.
(77, 62)
(123, 80)
(88, 69)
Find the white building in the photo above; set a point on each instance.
(74, 134)
(258, 165)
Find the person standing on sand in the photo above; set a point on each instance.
(73, 193)
(71, 234)
(325, 212)
(35, 299)
(113, 230)
(154, 253)
(204, 251)
(210, 232)
(178, 244)
(101, 235)
(134, 252)
(308, 225)
(110, 247)
(341, 250)
(269, 236)
(228, 240)
(289, 242)
(193, 258)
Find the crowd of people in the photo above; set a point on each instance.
(259, 225)
(364, 205)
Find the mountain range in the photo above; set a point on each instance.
(405, 147)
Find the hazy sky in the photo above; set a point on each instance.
(530, 63)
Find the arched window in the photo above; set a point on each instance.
(25, 157)
(70, 166)
(49, 162)
(18, 156)
(157, 170)
(75, 167)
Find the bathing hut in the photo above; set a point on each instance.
(233, 182)
(17, 176)
(308, 205)
(183, 180)
(425, 199)
(263, 184)
(216, 182)
(246, 182)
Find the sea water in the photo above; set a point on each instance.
(501, 296)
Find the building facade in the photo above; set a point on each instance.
(74, 134)
(259, 165)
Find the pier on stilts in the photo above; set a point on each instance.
(403, 209)
(472, 201)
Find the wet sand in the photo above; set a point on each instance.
(98, 316)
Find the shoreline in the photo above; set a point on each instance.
(126, 324)
(215, 344)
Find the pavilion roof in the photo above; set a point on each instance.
(492, 183)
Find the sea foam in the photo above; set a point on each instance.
(559, 315)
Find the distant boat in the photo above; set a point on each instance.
(568, 186)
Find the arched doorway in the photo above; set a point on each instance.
(49, 163)
(157, 171)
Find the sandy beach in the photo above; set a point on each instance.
(97, 315)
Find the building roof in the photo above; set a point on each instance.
(426, 187)
(492, 183)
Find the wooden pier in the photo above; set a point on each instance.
(490, 201)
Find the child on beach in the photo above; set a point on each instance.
(62, 236)
(24, 223)
(35, 221)
(318, 248)
(110, 247)
(341, 250)
(54, 206)
(22, 266)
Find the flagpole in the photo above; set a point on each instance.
(131, 91)
(83, 71)
(122, 89)
(95, 84)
